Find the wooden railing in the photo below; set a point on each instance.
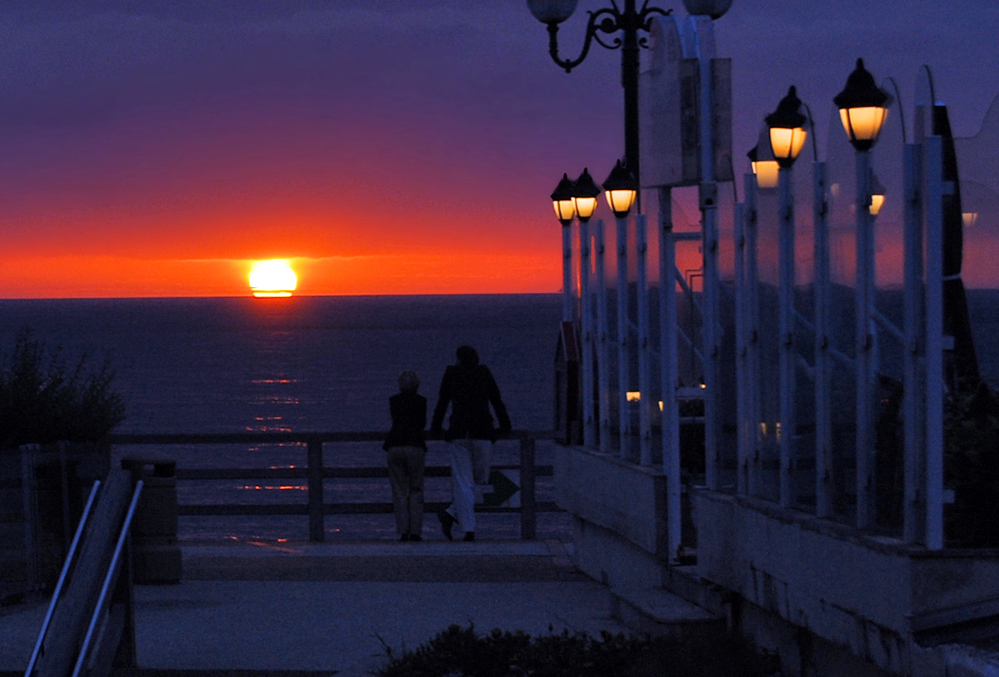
(315, 472)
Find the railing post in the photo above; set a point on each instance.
(317, 527)
(528, 513)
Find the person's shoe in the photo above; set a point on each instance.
(415, 537)
(469, 536)
(447, 523)
(404, 537)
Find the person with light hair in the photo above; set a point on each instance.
(469, 389)
(407, 451)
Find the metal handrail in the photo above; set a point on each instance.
(63, 575)
(108, 579)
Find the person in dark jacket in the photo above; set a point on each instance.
(469, 388)
(407, 450)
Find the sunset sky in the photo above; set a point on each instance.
(158, 148)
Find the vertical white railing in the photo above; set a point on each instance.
(586, 328)
(668, 371)
(646, 399)
(603, 345)
(933, 171)
(823, 403)
(623, 362)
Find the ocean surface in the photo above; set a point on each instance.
(319, 364)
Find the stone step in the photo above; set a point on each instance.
(662, 614)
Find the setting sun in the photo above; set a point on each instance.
(273, 278)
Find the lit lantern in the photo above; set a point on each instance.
(863, 107)
(584, 194)
(766, 171)
(621, 187)
(877, 196)
(969, 219)
(787, 129)
(565, 206)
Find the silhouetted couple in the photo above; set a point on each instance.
(469, 389)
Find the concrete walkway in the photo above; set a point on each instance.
(335, 608)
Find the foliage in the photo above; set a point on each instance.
(42, 400)
(459, 651)
(971, 467)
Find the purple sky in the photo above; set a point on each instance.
(120, 126)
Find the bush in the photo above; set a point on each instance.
(42, 401)
(459, 652)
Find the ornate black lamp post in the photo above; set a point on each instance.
(627, 20)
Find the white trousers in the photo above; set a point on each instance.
(470, 465)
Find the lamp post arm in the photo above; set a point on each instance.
(605, 20)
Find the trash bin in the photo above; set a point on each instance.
(156, 556)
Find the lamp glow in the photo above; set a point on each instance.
(877, 199)
(969, 219)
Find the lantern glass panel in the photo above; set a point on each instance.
(585, 206)
(787, 143)
(876, 201)
(766, 173)
(620, 200)
(564, 209)
(863, 124)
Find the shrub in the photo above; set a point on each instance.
(43, 401)
(459, 651)
(971, 467)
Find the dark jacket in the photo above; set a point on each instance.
(409, 417)
(469, 389)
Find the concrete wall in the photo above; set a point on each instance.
(619, 516)
(856, 591)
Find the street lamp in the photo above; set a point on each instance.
(609, 20)
(877, 195)
(764, 169)
(621, 187)
(787, 137)
(565, 206)
(862, 109)
(787, 129)
(584, 195)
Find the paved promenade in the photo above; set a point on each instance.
(266, 606)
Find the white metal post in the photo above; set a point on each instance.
(567, 286)
(864, 341)
(623, 360)
(668, 372)
(603, 345)
(752, 347)
(823, 404)
(742, 373)
(914, 398)
(933, 168)
(786, 321)
(709, 232)
(646, 400)
(586, 327)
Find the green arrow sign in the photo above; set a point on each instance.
(504, 488)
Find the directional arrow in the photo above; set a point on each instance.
(504, 488)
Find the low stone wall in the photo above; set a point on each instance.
(883, 600)
(619, 516)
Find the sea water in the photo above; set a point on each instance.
(315, 364)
